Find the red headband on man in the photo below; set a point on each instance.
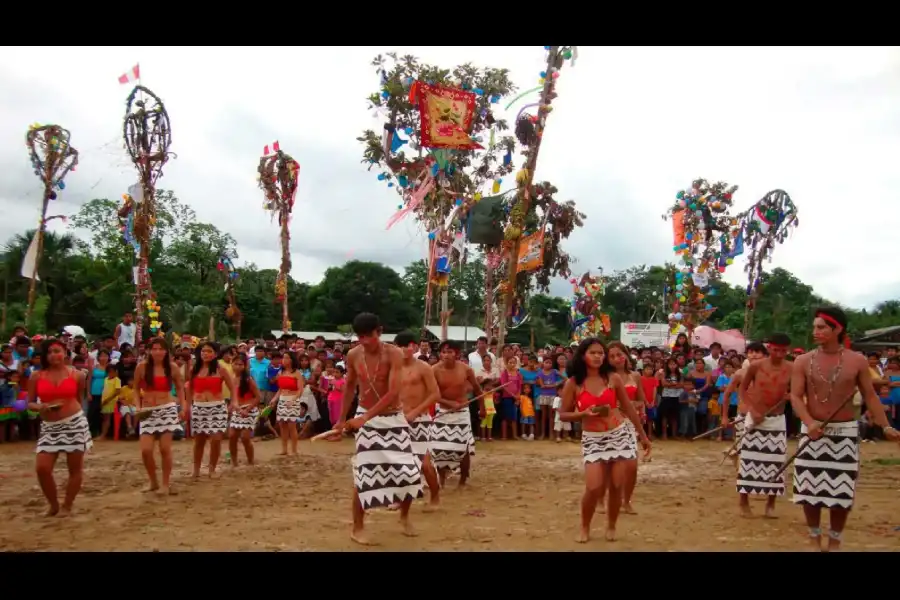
(833, 322)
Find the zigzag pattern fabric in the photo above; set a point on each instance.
(451, 439)
(738, 434)
(605, 446)
(72, 434)
(209, 418)
(826, 469)
(385, 470)
(420, 432)
(240, 422)
(288, 409)
(763, 451)
(163, 419)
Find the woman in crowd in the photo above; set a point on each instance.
(703, 386)
(596, 395)
(244, 417)
(64, 427)
(98, 379)
(670, 383)
(154, 381)
(205, 406)
(287, 400)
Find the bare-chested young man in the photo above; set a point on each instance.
(452, 440)
(418, 393)
(763, 449)
(824, 381)
(385, 470)
(755, 351)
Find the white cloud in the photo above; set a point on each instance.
(631, 126)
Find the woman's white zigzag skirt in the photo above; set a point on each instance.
(163, 419)
(72, 434)
(606, 446)
(209, 418)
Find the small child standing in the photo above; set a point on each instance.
(111, 386)
(687, 426)
(126, 403)
(511, 382)
(649, 383)
(714, 411)
(559, 426)
(487, 423)
(336, 395)
(526, 410)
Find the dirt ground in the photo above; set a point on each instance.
(523, 496)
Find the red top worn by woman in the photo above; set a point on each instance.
(160, 384)
(206, 384)
(286, 382)
(50, 392)
(607, 398)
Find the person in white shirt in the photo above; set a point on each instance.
(480, 351)
(712, 359)
(126, 331)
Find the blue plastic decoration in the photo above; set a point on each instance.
(381, 176)
(402, 180)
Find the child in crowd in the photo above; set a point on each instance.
(487, 423)
(729, 405)
(714, 411)
(547, 380)
(687, 410)
(650, 384)
(511, 380)
(304, 422)
(560, 427)
(127, 403)
(111, 386)
(526, 410)
(335, 395)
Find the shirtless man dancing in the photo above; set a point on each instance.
(452, 440)
(755, 351)
(418, 393)
(827, 465)
(764, 388)
(385, 470)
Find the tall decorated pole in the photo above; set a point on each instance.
(52, 157)
(225, 266)
(767, 223)
(530, 133)
(148, 136)
(278, 175)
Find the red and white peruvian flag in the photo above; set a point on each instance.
(133, 75)
(274, 148)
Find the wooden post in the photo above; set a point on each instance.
(285, 260)
(524, 192)
(445, 313)
(42, 226)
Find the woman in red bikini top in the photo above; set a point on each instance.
(64, 428)
(204, 397)
(287, 399)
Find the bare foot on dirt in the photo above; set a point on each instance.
(394, 507)
(64, 511)
(746, 512)
(167, 491)
(770, 513)
(833, 545)
(815, 543)
(433, 506)
(361, 538)
(214, 475)
(583, 536)
(610, 535)
(281, 454)
(408, 529)
(150, 488)
(52, 511)
(628, 509)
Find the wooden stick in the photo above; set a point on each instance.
(803, 445)
(738, 439)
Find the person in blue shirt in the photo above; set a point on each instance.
(272, 374)
(259, 371)
(22, 351)
(729, 405)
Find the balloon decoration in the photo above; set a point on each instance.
(704, 237)
(586, 317)
(225, 266)
(278, 175)
(767, 223)
(148, 136)
(153, 310)
(52, 158)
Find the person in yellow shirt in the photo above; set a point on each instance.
(526, 412)
(111, 386)
(127, 403)
(487, 423)
(713, 412)
(225, 365)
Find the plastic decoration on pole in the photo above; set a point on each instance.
(52, 158)
(556, 220)
(225, 266)
(148, 136)
(587, 319)
(278, 175)
(153, 314)
(704, 237)
(767, 223)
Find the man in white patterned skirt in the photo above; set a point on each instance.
(764, 388)
(418, 393)
(755, 351)
(452, 440)
(385, 470)
(823, 383)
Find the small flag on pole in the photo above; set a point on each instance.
(275, 148)
(132, 75)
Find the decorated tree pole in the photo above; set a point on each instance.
(704, 235)
(278, 176)
(766, 224)
(148, 136)
(52, 157)
(530, 133)
(233, 314)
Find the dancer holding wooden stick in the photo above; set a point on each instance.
(452, 440)
(205, 407)
(159, 413)
(827, 464)
(244, 417)
(764, 387)
(385, 470)
(755, 351)
(64, 427)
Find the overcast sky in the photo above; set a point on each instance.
(631, 126)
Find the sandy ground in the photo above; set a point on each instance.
(523, 496)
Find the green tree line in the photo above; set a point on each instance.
(86, 280)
